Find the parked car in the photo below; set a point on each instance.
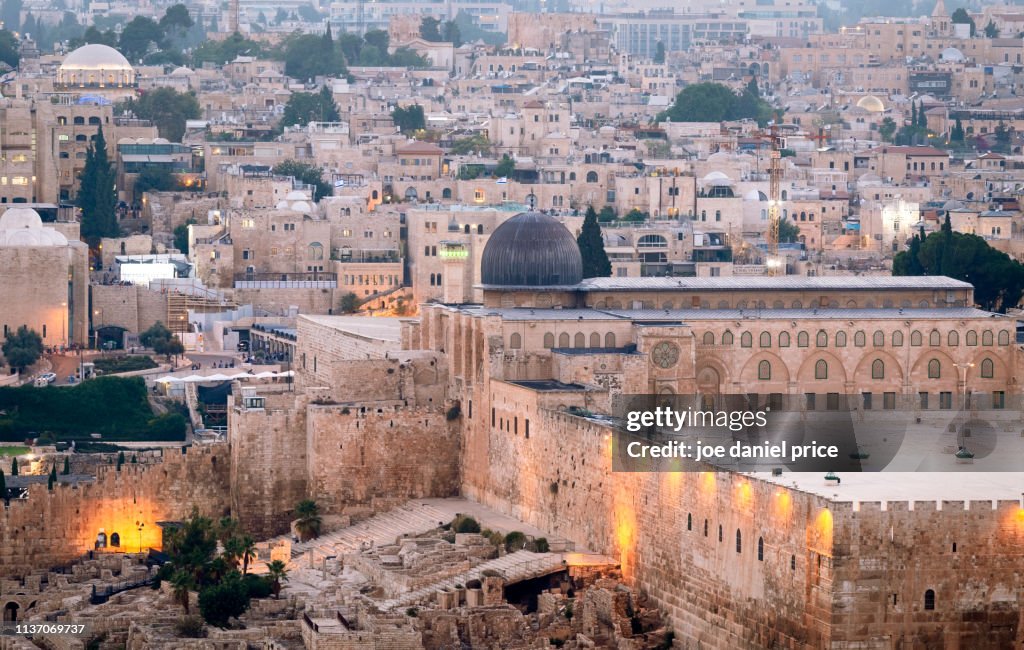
(50, 377)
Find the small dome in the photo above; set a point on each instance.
(952, 55)
(717, 178)
(301, 206)
(296, 195)
(181, 72)
(755, 195)
(953, 205)
(871, 104)
(531, 249)
(24, 227)
(282, 205)
(95, 57)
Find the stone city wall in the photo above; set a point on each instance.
(50, 528)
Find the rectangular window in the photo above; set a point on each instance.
(527, 428)
(809, 401)
(832, 401)
(923, 400)
(867, 401)
(889, 401)
(998, 399)
(945, 400)
(493, 417)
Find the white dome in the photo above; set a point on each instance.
(717, 178)
(95, 57)
(24, 227)
(953, 55)
(296, 195)
(871, 104)
(181, 72)
(282, 205)
(302, 206)
(755, 195)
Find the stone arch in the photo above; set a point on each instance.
(717, 370)
(836, 370)
(549, 340)
(595, 340)
(563, 340)
(919, 371)
(893, 372)
(780, 373)
(11, 611)
(1000, 373)
(609, 340)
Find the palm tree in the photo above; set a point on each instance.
(183, 583)
(278, 574)
(226, 529)
(248, 547)
(233, 551)
(308, 519)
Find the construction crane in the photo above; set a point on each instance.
(773, 261)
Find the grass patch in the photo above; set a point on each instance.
(123, 363)
(13, 451)
(115, 407)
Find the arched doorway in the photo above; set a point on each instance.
(11, 611)
(708, 386)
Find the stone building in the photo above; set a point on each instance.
(39, 258)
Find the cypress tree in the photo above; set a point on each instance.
(595, 259)
(120, 460)
(946, 260)
(922, 119)
(14, 467)
(97, 194)
(52, 479)
(913, 114)
(3, 485)
(67, 466)
(914, 265)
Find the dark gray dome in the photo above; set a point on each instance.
(531, 249)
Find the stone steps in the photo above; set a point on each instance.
(515, 567)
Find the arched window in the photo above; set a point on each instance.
(929, 600)
(515, 341)
(860, 339)
(433, 280)
(986, 337)
(609, 340)
(972, 337)
(709, 338)
(1004, 337)
(953, 339)
(821, 340)
(935, 339)
(315, 252)
(760, 549)
(764, 370)
(987, 369)
(115, 539)
(934, 369)
(878, 369)
(766, 340)
(591, 177)
(579, 341)
(897, 339)
(563, 340)
(878, 339)
(803, 339)
(727, 338)
(572, 176)
(821, 369)
(784, 340)
(840, 339)
(746, 340)
(446, 193)
(549, 340)
(916, 339)
(739, 541)
(79, 120)
(595, 340)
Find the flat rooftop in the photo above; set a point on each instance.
(381, 329)
(682, 316)
(967, 485)
(756, 283)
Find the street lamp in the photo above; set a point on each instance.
(63, 323)
(96, 327)
(963, 402)
(139, 526)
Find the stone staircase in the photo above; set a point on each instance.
(514, 567)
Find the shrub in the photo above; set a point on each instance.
(515, 541)
(412, 611)
(541, 545)
(221, 602)
(257, 586)
(190, 627)
(453, 413)
(465, 524)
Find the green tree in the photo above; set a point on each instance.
(156, 332)
(887, 129)
(51, 480)
(152, 178)
(278, 575)
(607, 214)
(14, 466)
(430, 29)
(67, 466)
(3, 486)
(182, 582)
(169, 347)
(307, 56)
(1004, 136)
(452, 34)
(176, 18)
(506, 167)
(789, 232)
(221, 52)
(308, 173)
(181, 236)
(248, 549)
(349, 303)
(991, 31)
(219, 603)
(120, 460)
(308, 519)
(591, 244)
(403, 57)
(956, 134)
(961, 17)
(97, 194)
(379, 39)
(9, 52)
(22, 347)
(409, 119)
(714, 102)
(636, 216)
(659, 53)
(476, 143)
(303, 108)
(167, 109)
(138, 36)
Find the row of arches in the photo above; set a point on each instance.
(878, 339)
(696, 302)
(579, 340)
(78, 120)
